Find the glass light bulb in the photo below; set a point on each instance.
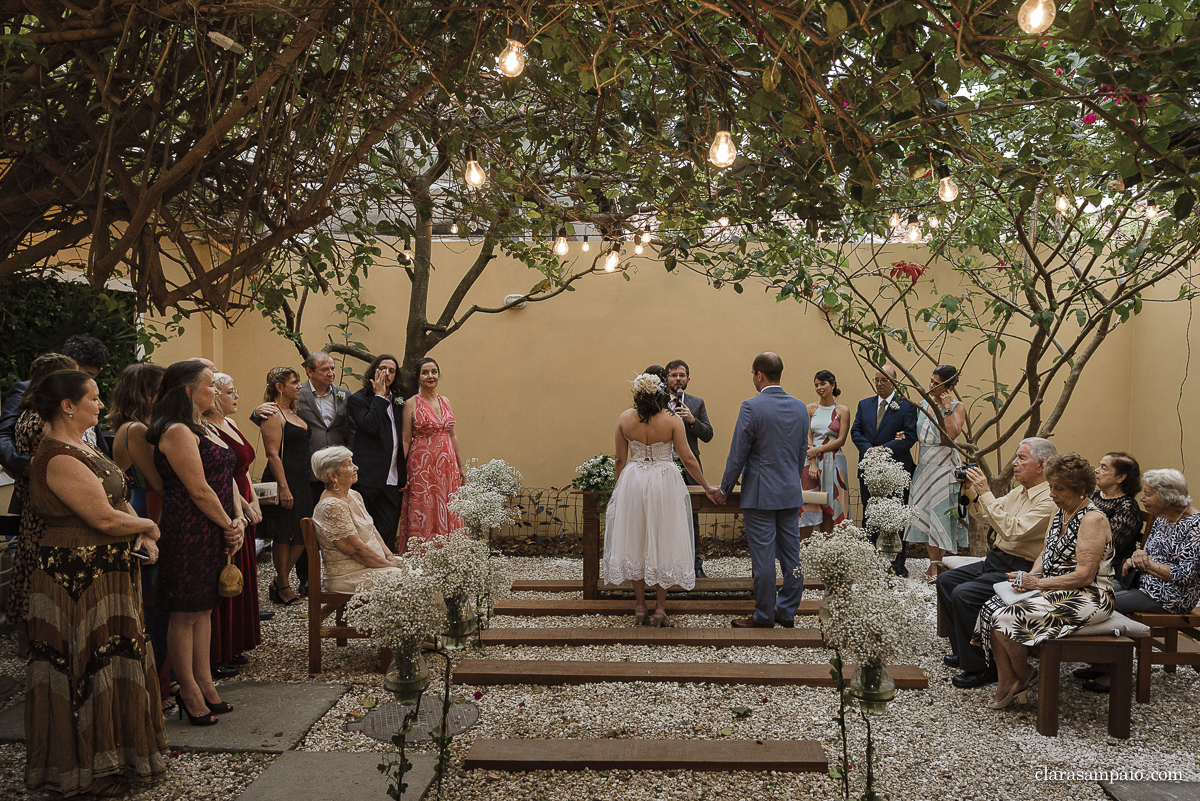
(724, 222)
(1151, 211)
(914, 231)
(934, 222)
(585, 247)
(473, 175)
(512, 59)
(408, 255)
(1035, 16)
(611, 261)
(454, 228)
(561, 247)
(1062, 204)
(723, 151)
(646, 237)
(895, 219)
(947, 189)
(639, 249)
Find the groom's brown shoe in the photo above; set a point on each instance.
(787, 624)
(748, 623)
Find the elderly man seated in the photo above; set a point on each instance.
(1019, 521)
(351, 549)
(1163, 577)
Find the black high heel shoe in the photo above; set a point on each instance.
(218, 709)
(195, 720)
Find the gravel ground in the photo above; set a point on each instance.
(940, 743)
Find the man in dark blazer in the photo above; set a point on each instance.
(885, 420)
(768, 451)
(697, 428)
(378, 452)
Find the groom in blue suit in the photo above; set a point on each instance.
(885, 420)
(768, 451)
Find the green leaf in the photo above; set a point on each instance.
(725, 732)
(1183, 205)
(742, 711)
(835, 18)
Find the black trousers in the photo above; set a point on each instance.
(383, 504)
(962, 592)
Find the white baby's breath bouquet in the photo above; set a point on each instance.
(482, 500)
(883, 619)
(495, 476)
(889, 515)
(597, 475)
(398, 613)
(457, 563)
(882, 474)
(841, 558)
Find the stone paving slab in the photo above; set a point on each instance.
(325, 775)
(267, 717)
(1152, 791)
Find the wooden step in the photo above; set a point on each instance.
(569, 607)
(702, 585)
(716, 638)
(792, 756)
(546, 672)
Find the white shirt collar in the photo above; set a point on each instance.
(888, 399)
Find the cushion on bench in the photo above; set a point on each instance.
(952, 562)
(1117, 625)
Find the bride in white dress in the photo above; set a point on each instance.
(648, 525)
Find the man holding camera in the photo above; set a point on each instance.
(1019, 521)
(695, 424)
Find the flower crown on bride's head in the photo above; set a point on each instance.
(647, 384)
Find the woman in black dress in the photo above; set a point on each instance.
(202, 520)
(285, 439)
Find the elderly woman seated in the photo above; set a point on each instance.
(1069, 587)
(351, 549)
(1163, 577)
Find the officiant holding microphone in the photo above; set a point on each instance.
(691, 410)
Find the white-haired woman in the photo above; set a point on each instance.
(1163, 577)
(648, 523)
(352, 551)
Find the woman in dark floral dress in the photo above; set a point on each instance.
(92, 717)
(1071, 582)
(1118, 481)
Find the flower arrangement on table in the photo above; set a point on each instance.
(483, 500)
(597, 475)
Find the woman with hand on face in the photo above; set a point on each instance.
(203, 521)
(829, 426)
(235, 623)
(435, 464)
(940, 524)
(376, 411)
(92, 716)
(1118, 481)
(285, 439)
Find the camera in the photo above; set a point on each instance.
(960, 473)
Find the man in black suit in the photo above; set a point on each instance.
(695, 424)
(378, 452)
(885, 420)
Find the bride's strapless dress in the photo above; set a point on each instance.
(648, 525)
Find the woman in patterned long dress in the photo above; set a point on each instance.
(27, 435)
(202, 521)
(1071, 582)
(236, 627)
(435, 465)
(934, 491)
(829, 426)
(92, 717)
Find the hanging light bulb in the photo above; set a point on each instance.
(1151, 211)
(639, 249)
(894, 221)
(1035, 16)
(1062, 204)
(645, 237)
(560, 245)
(454, 228)
(723, 151)
(585, 247)
(408, 256)
(512, 57)
(723, 222)
(914, 229)
(934, 222)
(612, 258)
(947, 189)
(473, 175)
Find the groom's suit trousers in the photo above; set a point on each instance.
(774, 534)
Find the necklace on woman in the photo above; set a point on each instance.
(1081, 506)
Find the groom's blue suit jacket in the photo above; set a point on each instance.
(768, 451)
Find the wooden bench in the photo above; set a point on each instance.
(322, 604)
(1099, 649)
(1163, 646)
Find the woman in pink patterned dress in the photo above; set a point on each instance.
(435, 466)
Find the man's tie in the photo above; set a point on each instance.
(879, 413)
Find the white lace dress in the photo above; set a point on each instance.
(334, 519)
(648, 524)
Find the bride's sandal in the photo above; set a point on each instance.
(639, 617)
(660, 621)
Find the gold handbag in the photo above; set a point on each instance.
(229, 585)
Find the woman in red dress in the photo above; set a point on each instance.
(435, 465)
(235, 621)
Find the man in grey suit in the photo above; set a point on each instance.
(768, 451)
(322, 405)
(695, 425)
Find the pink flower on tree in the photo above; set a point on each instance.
(1088, 119)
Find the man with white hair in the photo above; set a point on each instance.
(1019, 521)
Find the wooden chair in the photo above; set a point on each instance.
(1164, 647)
(322, 604)
(1101, 649)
